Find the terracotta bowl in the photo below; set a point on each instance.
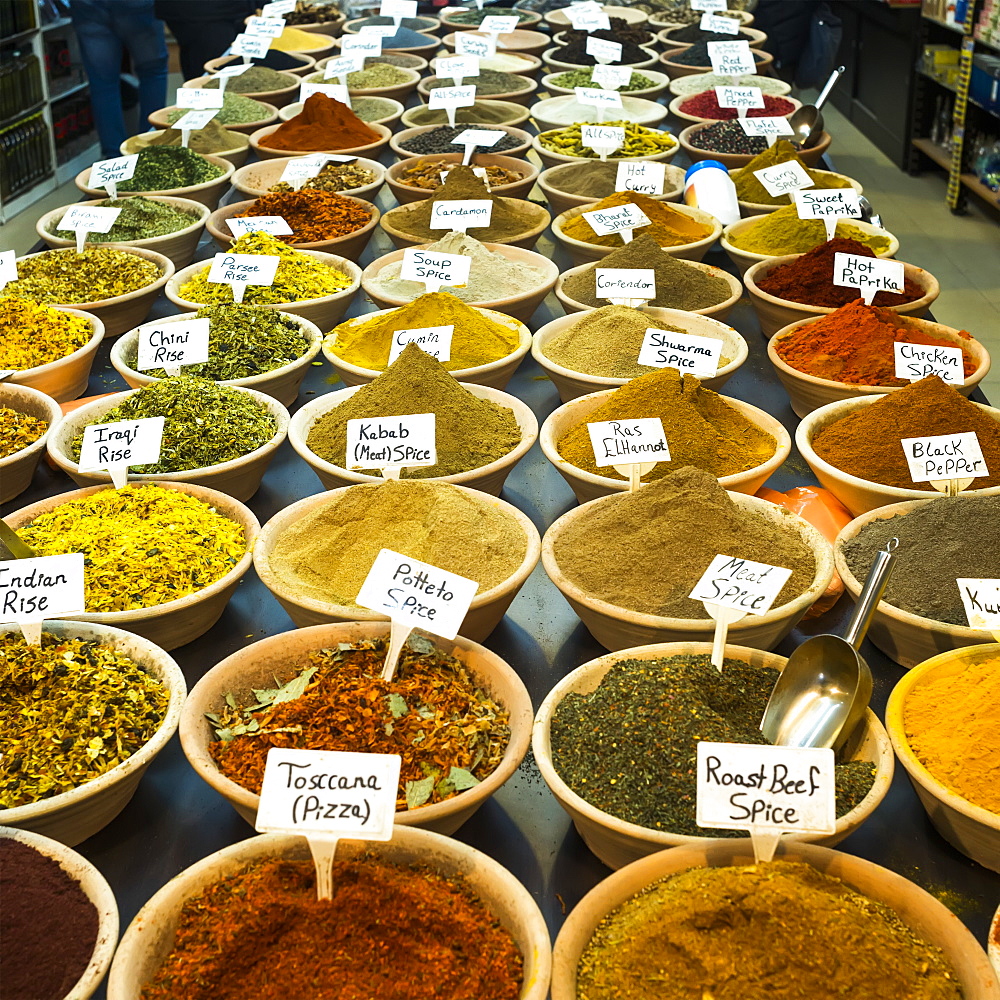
(150, 936)
(529, 64)
(688, 86)
(237, 157)
(550, 59)
(178, 246)
(676, 69)
(859, 495)
(487, 478)
(121, 312)
(160, 119)
(665, 20)
(391, 114)
(675, 110)
(753, 36)
(561, 201)
(520, 41)
(405, 193)
(73, 816)
(398, 92)
(276, 98)
(398, 142)
(526, 19)
(585, 253)
(333, 27)
(17, 470)
(571, 384)
(807, 392)
(917, 908)
(400, 59)
(283, 655)
(618, 842)
(522, 95)
(371, 150)
(618, 628)
(515, 115)
(718, 312)
(281, 383)
(325, 311)
(425, 50)
(634, 109)
(67, 377)
(256, 179)
(810, 157)
(351, 245)
(496, 374)
(322, 47)
(427, 25)
(903, 636)
(775, 313)
(748, 208)
(660, 83)
(173, 623)
(745, 259)
(485, 612)
(392, 219)
(207, 192)
(972, 829)
(522, 307)
(97, 890)
(553, 159)
(635, 17)
(214, 65)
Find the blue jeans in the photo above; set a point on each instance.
(104, 28)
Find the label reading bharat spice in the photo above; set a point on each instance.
(740, 583)
(417, 594)
(362, 45)
(108, 173)
(199, 98)
(721, 25)
(471, 213)
(584, 17)
(917, 361)
(870, 274)
(170, 345)
(241, 269)
(342, 66)
(604, 51)
(739, 97)
(32, 590)
(731, 58)
(621, 220)
(121, 443)
(627, 442)
(981, 598)
(646, 177)
(611, 77)
(598, 97)
(944, 456)
(269, 26)
(689, 354)
(457, 68)
(335, 90)
(744, 786)
(625, 282)
(784, 178)
(605, 139)
(467, 43)
(273, 224)
(329, 792)
(434, 340)
(498, 25)
(392, 442)
(251, 46)
(765, 126)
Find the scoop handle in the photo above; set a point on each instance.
(827, 87)
(871, 594)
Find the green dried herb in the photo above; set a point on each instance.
(68, 278)
(141, 219)
(18, 430)
(163, 168)
(236, 110)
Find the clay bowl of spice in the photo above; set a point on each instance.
(660, 82)
(634, 17)
(171, 623)
(238, 477)
(370, 150)
(525, 19)
(588, 486)
(959, 967)
(505, 61)
(686, 86)
(399, 92)
(257, 179)
(207, 192)
(522, 88)
(429, 169)
(424, 960)
(61, 920)
(748, 208)
(237, 156)
(686, 137)
(521, 306)
(862, 495)
(601, 177)
(487, 478)
(807, 392)
(949, 767)
(619, 841)
(100, 792)
(350, 245)
(304, 64)
(281, 382)
(520, 41)
(515, 531)
(33, 339)
(266, 116)
(276, 98)
(616, 627)
(675, 69)
(485, 113)
(786, 105)
(572, 383)
(667, 36)
(178, 244)
(381, 110)
(425, 24)
(278, 660)
(417, 141)
(907, 625)
(118, 312)
(26, 418)
(558, 66)
(558, 112)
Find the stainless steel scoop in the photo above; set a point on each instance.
(806, 122)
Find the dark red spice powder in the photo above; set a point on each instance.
(706, 105)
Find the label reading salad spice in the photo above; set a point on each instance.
(392, 442)
(241, 269)
(784, 178)
(944, 456)
(32, 590)
(108, 173)
(604, 51)
(646, 177)
(869, 274)
(611, 77)
(622, 220)
(917, 361)
(740, 583)
(731, 58)
(435, 269)
(721, 25)
(625, 442)
(273, 224)
(170, 345)
(470, 213)
(468, 43)
(689, 354)
(433, 340)
(981, 598)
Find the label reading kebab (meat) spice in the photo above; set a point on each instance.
(432, 340)
(627, 442)
(742, 584)
(170, 345)
(435, 269)
(32, 590)
(688, 353)
(392, 442)
(241, 269)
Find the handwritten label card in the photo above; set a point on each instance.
(193, 121)
(108, 173)
(604, 51)
(720, 25)
(731, 58)
(398, 9)
(251, 46)
(615, 283)
(622, 220)
(611, 77)
(392, 442)
(336, 91)
(828, 206)
(435, 269)
(688, 353)
(342, 66)
(118, 445)
(626, 442)
(944, 456)
(277, 8)
(870, 274)
(603, 139)
(708, 4)
(471, 138)
(83, 219)
(170, 345)
(434, 340)
(32, 590)
(199, 98)
(598, 97)
(241, 269)
(361, 44)
(468, 43)
(646, 177)
(273, 224)
(739, 97)
(8, 267)
(451, 98)
(587, 17)
(302, 168)
(740, 583)
(457, 68)
(269, 26)
(499, 25)
(917, 361)
(765, 126)
(470, 213)
(981, 598)
(784, 178)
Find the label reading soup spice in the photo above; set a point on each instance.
(335, 90)
(251, 46)
(241, 269)
(433, 340)
(741, 584)
(982, 602)
(273, 224)
(722, 25)
(917, 361)
(457, 68)
(621, 220)
(628, 283)
(611, 77)
(623, 442)
(604, 51)
(199, 98)
(468, 43)
(731, 58)
(170, 345)
(270, 26)
(499, 25)
(435, 269)
(108, 173)
(85, 219)
(118, 445)
(471, 213)
(392, 442)
(646, 177)
(784, 178)
(944, 456)
(32, 590)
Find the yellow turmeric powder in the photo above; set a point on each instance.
(668, 226)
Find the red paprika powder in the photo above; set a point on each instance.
(706, 105)
(322, 124)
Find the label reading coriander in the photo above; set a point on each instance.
(622, 220)
(468, 43)
(273, 224)
(604, 51)
(689, 354)
(720, 25)
(170, 345)
(241, 269)
(981, 598)
(470, 213)
(362, 45)
(869, 274)
(32, 590)
(944, 457)
(731, 58)
(917, 361)
(626, 442)
(617, 283)
(740, 583)
(434, 340)
(108, 173)
(269, 26)
(784, 178)
(646, 177)
(392, 442)
(435, 269)
(611, 77)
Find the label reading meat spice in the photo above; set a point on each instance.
(603, 139)
(32, 590)
(604, 51)
(944, 457)
(392, 442)
(721, 25)
(83, 219)
(587, 17)
(241, 269)
(435, 269)
(625, 285)
(471, 213)
(170, 345)
(270, 26)
(251, 46)
(361, 44)
(745, 786)
(611, 77)
(457, 68)
(337, 91)
(8, 267)
(499, 25)
(433, 340)
(917, 361)
(623, 442)
(199, 98)
(981, 598)
(731, 58)
(870, 274)
(273, 224)
(118, 445)
(468, 43)
(688, 353)
(417, 594)
(107, 173)
(471, 138)
(342, 66)
(740, 583)
(784, 178)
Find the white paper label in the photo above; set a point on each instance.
(944, 456)
(917, 361)
(392, 442)
(602, 137)
(499, 25)
(765, 126)
(622, 219)
(381, 31)
(277, 8)
(32, 590)
(604, 51)
(628, 442)
(982, 602)
(273, 224)
(343, 66)
(199, 97)
(8, 266)
(598, 97)
(435, 269)
(478, 137)
(336, 91)
(708, 4)
(89, 218)
(741, 583)
(739, 97)
(241, 269)
(611, 77)
(362, 45)
(329, 792)
(195, 120)
(433, 340)
(121, 443)
(731, 58)
(585, 18)
(721, 25)
(457, 68)
(416, 593)
(238, 69)
(106, 172)
(451, 97)
(398, 9)
(625, 283)
(251, 46)
(170, 345)
(269, 26)
(468, 43)
(825, 204)
(784, 178)
(869, 274)
(646, 177)
(302, 168)
(743, 786)
(6, 373)
(472, 213)
(689, 354)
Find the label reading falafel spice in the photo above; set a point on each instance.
(689, 354)
(626, 442)
(435, 269)
(32, 590)
(469, 213)
(944, 457)
(917, 361)
(392, 442)
(765, 126)
(742, 584)
(731, 58)
(645, 177)
(468, 43)
(611, 77)
(170, 345)
(433, 340)
(981, 598)
(241, 269)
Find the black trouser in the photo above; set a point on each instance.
(200, 41)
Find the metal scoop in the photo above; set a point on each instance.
(10, 542)
(823, 692)
(806, 122)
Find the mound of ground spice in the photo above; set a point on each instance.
(322, 124)
(667, 225)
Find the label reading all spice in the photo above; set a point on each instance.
(241, 269)
(170, 345)
(457, 68)
(392, 442)
(499, 25)
(765, 126)
(625, 283)
(739, 97)
(944, 457)
(435, 269)
(731, 58)
(624, 442)
(398, 9)
(917, 361)
(721, 25)
(784, 178)
(745, 786)
(471, 138)
(981, 598)
(622, 219)
(270, 26)
(32, 590)
(85, 219)
(611, 77)
(468, 43)
(646, 177)
(603, 139)
(199, 98)
(273, 224)
(434, 340)
(108, 173)
(251, 46)
(342, 66)
(417, 594)
(362, 45)
(8, 267)
(118, 445)
(302, 168)
(869, 274)
(741, 584)
(689, 354)
(587, 17)
(604, 51)
(470, 213)
(451, 97)
(337, 91)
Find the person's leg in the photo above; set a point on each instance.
(200, 41)
(101, 53)
(142, 34)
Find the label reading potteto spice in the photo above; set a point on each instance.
(731, 58)
(433, 340)
(8, 267)
(471, 138)
(83, 219)
(32, 590)
(435, 269)
(392, 442)
(363, 45)
(869, 274)
(739, 97)
(251, 46)
(981, 598)
(170, 345)
(689, 354)
(622, 220)
(784, 178)
(740, 583)
(337, 91)
(765, 126)
(498, 25)
(917, 361)
(457, 68)
(269, 26)
(417, 594)
(199, 98)
(604, 51)
(721, 25)
(342, 66)
(273, 224)
(118, 445)
(241, 269)
(587, 17)
(745, 786)
(626, 442)
(603, 139)
(109, 173)
(611, 77)
(469, 213)
(944, 457)
(468, 43)
(646, 177)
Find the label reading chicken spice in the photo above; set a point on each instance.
(917, 361)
